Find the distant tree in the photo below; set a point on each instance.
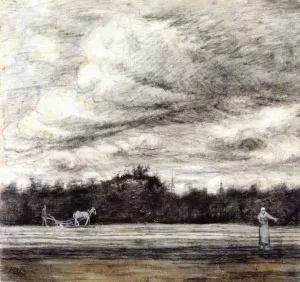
(12, 205)
(137, 196)
(140, 171)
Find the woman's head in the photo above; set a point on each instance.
(262, 210)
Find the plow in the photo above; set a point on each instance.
(64, 223)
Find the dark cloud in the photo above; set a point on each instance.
(204, 82)
(251, 144)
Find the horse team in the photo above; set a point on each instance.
(77, 217)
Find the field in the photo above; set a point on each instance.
(148, 252)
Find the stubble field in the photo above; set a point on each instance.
(148, 252)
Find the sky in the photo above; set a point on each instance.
(208, 90)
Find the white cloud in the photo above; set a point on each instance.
(156, 84)
(43, 48)
(56, 104)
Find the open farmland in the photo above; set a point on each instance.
(148, 252)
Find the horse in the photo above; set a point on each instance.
(83, 215)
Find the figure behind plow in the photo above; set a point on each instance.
(44, 216)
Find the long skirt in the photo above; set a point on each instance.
(264, 236)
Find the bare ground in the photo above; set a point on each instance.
(148, 252)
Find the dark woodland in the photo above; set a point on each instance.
(137, 197)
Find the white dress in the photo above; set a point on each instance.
(264, 235)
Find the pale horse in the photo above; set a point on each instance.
(83, 215)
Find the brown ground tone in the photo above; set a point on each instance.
(148, 252)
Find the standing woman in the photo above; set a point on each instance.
(264, 236)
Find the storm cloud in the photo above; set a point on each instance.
(208, 89)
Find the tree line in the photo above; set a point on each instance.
(137, 197)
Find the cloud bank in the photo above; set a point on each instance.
(209, 90)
